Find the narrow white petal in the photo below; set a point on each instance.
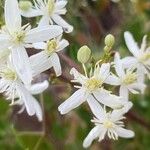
(39, 45)
(94, 133)
(44, 21)
(55, 62)
(105, 70)
(112, 80)
(118, 65)
(38, 88)
(60, 21)
(72, 102)
(110, 100)
(129, 62)
(78, 76)
(137, 87)
(96, 108)
(124, 93)
(12, 15)
(143, 45)
(43, 34)
(124, 132)
(4, 41)
(22, 64)
(118, 113)
(38, 110)
(60, 4)
(62, 44)
(31, 13)
(131, 44)
(27, 98)
(140, 74)
(40, 62)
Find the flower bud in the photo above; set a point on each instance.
(25, 5)
(84, 54)
(109, 40)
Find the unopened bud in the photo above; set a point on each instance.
(109, 40)
(84, 54)
(25, 5)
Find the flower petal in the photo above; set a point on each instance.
(94, 133)
(43, 34)
(60, 21)
(95, 107)
(118, 65)
(105, 70)
(129, 62)
(72, 102)
(31, 13)
(38, 88)
(124, 132)
(22, 64)
(38, 110)
(78, 76)
(12, 15)
(131, 44)
(55, 62)
(40, 62)
(60, 4)
(124, 93)
(27, 98)
(110, 100)
(39, 45)
(62, 44)
(118, 113)
(44, 21)
(112, 80)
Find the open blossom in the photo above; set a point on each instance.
(108, 123)
(50, 10)
(125, 78)
(48, 58)
(140, 58)
(18, 93)
(17, 37)
(91, 87)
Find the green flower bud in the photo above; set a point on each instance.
(109, 40)
(84, 54)
(25, 5)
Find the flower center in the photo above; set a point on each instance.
(129, 78)
(50, 6)
(93, 84)
(18, 37)
(145, 57)
(51, 47)
(108, 124)
(8, 74)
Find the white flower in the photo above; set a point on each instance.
(91, 88)
(50, 10)
(48, 58)
(108, 123)
(141, 56)
(16, 38)
(126, 79)
(15, 90)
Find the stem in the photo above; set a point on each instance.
(84, 68)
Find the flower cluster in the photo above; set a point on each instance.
(128, 74)
(18, 70)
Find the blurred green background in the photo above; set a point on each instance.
(92, 21)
